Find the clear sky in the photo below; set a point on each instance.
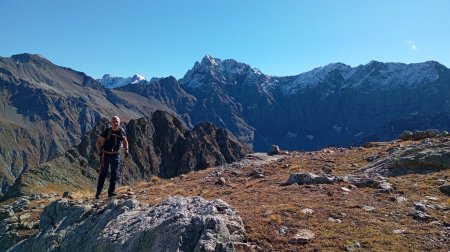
(158, 38)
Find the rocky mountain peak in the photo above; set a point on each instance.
(214, 70)
(28, 57)
(110, 81)
(210, 60)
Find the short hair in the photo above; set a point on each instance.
(116, 117)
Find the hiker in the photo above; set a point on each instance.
(108, 144)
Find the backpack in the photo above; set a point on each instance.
(113, 142)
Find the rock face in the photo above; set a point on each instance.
(47, 108)
(163, 146)
(159, 145)
(332, 105)
(177, 224)
(422, 157)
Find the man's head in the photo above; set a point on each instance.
(115, 122)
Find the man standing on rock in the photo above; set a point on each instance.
(108, 144)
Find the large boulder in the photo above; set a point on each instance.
(177, 224)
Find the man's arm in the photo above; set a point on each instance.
(125, 144)
(125, 147)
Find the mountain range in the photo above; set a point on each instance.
(46, 108)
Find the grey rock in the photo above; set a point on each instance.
(353, 247)
(307, 211)
(385, 187)
(21, 204)
(303, 236)
(419, 158)
(420, 216)
(310, 178)
(399, 231)
(221, 181)
(406, 135)
(368, 208)
(6, 212)
(282, 230)
(256, 173)
(445, 189)
(177, 224)
(420, 206)
(67, 195)
(275, 150)
(400, 199)
(334, 220)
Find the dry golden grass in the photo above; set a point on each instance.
(266, 207)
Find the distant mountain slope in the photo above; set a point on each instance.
(331, 105)
(109, 81)
(47, 108)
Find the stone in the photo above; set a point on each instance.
(24, 217)
(345, 189)
(303, 236)
(445, 189)
(385, 187)
(334, 220)
(256, 173)
(176, 224)
(399, 231)
(400, 199)
(6, 212)
(221, 181)
(307, 211)
(275, 150)
(432, 198)
(282, 230)
(67, 195)
(21, 204)
(309, 178)
(420, 216)
(368, 208)
(420, 206)
(353, 247)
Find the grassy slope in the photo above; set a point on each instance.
(265, 206)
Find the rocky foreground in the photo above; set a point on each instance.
(383, 196)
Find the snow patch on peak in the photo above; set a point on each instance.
(210, 60)
(137, 79)
(219, 71)
(337, 128)
(110, 81)
(388, 75)
(316, 76)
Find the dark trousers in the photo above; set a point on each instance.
(113, 161)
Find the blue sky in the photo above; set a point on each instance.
(165, 37)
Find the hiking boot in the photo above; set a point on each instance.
(97, 196)
(112, 194)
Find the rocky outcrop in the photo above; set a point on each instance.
(427, 156)
(423, 157)
(177, 224)
(159, 145)
(163, 146)
(420, 135)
